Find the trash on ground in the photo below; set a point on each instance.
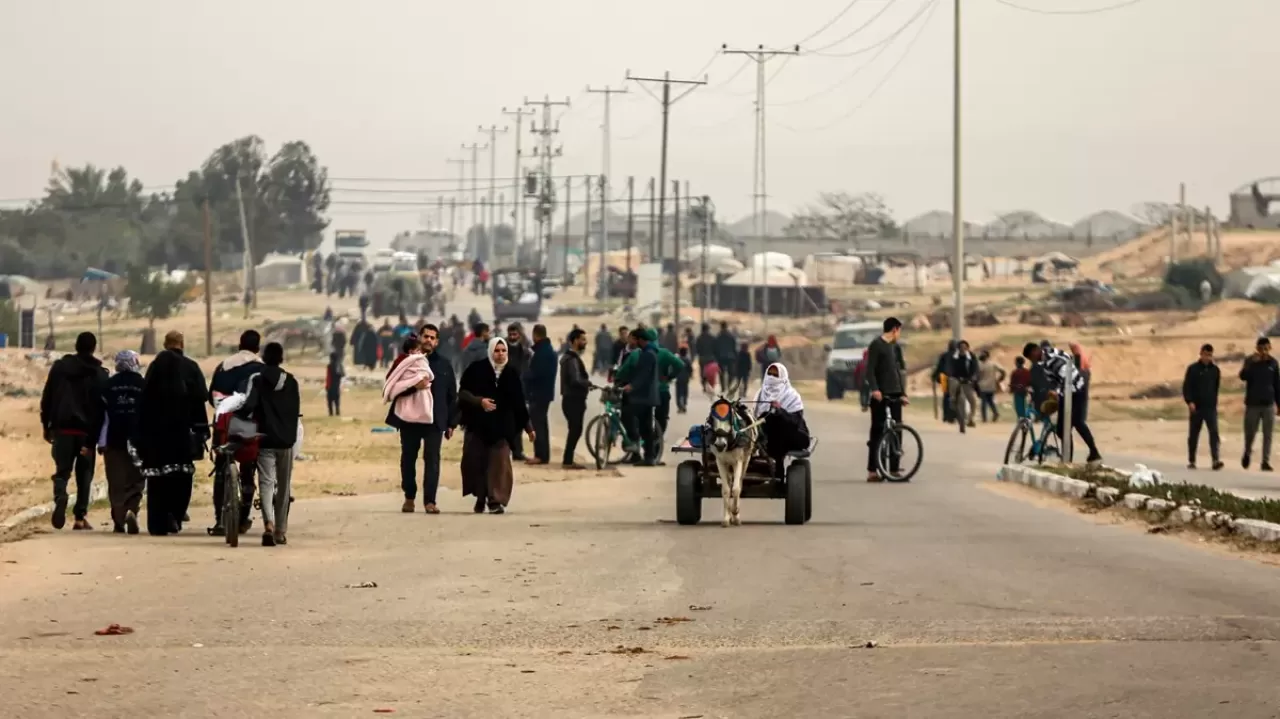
(114, 630)
(361, 585)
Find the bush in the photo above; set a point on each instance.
(1189, 274)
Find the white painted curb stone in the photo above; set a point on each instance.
(1133, 500)
(97, 491)
(1258, 529)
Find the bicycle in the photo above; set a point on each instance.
(1041, 447)
(889, 451)
(604, 430)
(227, 471)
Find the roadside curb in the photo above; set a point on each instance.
(1157, 510)
(97, 491)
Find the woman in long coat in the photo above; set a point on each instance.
(491, 399)
(172, 427)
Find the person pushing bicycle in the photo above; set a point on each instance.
(884, 377)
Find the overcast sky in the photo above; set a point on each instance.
(1062, 114)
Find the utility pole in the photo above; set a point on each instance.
(759, 194)
(653, 218)
(608, 93)
(957, 218)
(475, 149)
(248, 248)
(586, 239)
(707, 210)
(675, 240)
(667, 102)
(568, 216)
(517, 219)
(493, 131)
(208, 282)
(631, 217)
(546, 197)
(462, 193)
(453, 213)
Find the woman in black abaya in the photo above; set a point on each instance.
(172, 428)
(491, 399)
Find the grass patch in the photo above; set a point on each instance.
(1208, 498)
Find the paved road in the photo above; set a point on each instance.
(982, 605)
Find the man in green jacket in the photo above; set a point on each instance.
(669, 368)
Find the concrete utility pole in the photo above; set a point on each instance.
(759, 195)
(208, 282)
(653, 219)
(493, 131)
(462, 193)
(608, 93)
(667, 102)
(957, 219)
(248, 248)
(568, 216)
(708, 210)
(546, 195)
(631, 217)
(453, 214)
(517, 219)
(475, 149)
(675, 240)
(586, 238)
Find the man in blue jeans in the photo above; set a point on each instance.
(428, 437)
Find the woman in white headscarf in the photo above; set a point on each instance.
(493, 411)
(784, 428)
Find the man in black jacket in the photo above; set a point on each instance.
(1200, 392)
(71, 413)
(231, 376)
(518, 355)
(604, 344)
(704, 348)
(575, 383)
(122, 396)
(962, 376)
(429, 437)
(884, 382)
(1261, 377)
(275, 404)
(726, 355)
(540, 387)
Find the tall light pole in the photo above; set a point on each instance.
(759, 194)
(517, 220)
(957, 220)
(608, 93)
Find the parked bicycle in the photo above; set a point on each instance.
(893, 447)
(605, 429)
(1043, 444)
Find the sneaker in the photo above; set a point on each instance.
(82, 525)
(1191, 465)
(1265, 467)
(118, 529)
(407, 507)
(874, 477)
(1093, 457)
(59, 518)
(1217, 465)
(131, 522)
(1244, 461)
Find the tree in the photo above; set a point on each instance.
(154, 296)
(297, 191)
(843, 216)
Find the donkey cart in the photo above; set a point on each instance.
(698, 478)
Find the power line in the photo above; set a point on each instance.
(883, 45)
(933, 5)
(828, 24)
(1090, 11)
(818, 50)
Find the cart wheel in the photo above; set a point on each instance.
(688, 492)
(808, 489)
(799, 507)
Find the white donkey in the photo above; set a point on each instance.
(734, 439)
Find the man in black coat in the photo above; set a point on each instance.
(125, 483)
(575, 384)
(604, 343)
(962, 380)
(726, 354)
(1261, 377)
(540, 386)
(518, 354)
(1200, 392)
(884, 375)
(71, 413)
(275, 405)
(229, 377)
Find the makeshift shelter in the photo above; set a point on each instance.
(280, 271)
(1248, 282)
(780, 291)
(833, 269)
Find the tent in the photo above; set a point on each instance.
(280, 271)
(1249, 281)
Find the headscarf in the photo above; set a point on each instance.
(493, 344)
(1078, 351)
(778, 389)
(128, 361)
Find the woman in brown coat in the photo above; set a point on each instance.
(491, 399)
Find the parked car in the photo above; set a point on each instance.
(845, 353)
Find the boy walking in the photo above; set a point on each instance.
(1261, 376)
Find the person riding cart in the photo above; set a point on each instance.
(784, 428)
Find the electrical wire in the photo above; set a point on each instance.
(1089, 11)
(817, 50)
(882, 47)
(881, 42)
(420, 205)
(883, 81)
(829, 23)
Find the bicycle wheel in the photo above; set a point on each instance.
(600, 440)
(900, 453)
(1016, 451)
(1049, 445)
(231, 502)
(590, 433)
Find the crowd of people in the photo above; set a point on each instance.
(151, 429)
